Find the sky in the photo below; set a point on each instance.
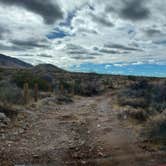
(104, 36)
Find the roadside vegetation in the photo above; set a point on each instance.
(145, 102)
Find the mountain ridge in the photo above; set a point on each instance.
(10, 62)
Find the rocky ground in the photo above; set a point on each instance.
(86, 132)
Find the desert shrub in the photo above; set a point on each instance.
(10, 93)
(77, 86)
(142, 84)
(151, 97)
(137, 95)
(27, 77)
(155, 130)
(137, 114)
(133, 102)
(1, 70)
(88, 88)
(132, 78)
(66, 85)
(157, 98)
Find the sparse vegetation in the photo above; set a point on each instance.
(147, 96)
(20, 78)
(146, 102)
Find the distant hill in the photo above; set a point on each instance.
(47, 68)
(9, 62)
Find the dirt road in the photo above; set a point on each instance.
(85, 132)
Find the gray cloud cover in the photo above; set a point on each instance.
(96, 29)
(49, 11)
(29, 44)
(103, 20)
(122, 47)
(135, 10)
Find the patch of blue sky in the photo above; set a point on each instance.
(151, 70)
(57, 33)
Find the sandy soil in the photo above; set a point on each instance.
(85, 132)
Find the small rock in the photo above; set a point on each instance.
(4, 119)
(101, 154)
(35, 156)
(3, 136)
(125, 117)
(21, 131)
(98, 125)
(83, 162)
(2, 125)
(2, 116)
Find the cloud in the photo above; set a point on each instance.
(135, 10)
(83, 57)
(29, 44)
(3, 31)
(80, 53)
(108, 51)
(153, 32)
(45, 55)
(160, 42)
(121, 47)
(87, 31)
(48, 10)
(76, 50)
(103, 20)
(74, 47)
(4, 47)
